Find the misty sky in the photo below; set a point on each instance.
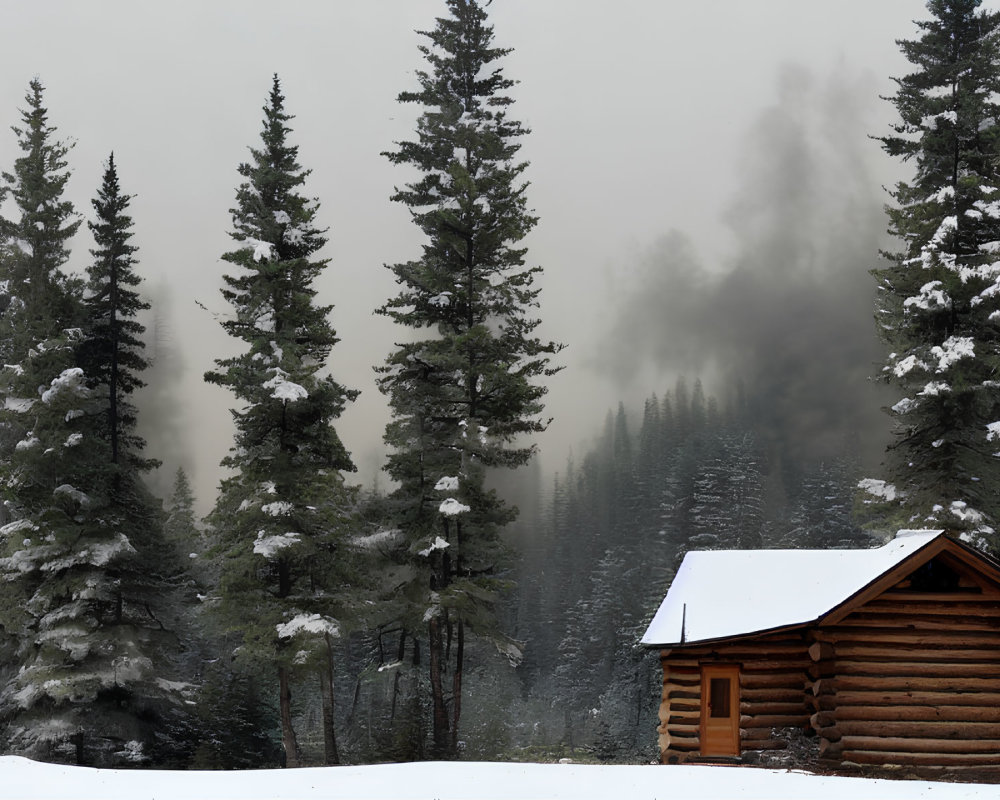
(647, 116)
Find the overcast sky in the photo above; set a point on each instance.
(640, 111)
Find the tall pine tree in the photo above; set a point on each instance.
(939, 296)
(465, 395)
(281, 518)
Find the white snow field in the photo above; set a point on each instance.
(21, 779)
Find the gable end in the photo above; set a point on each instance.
(974, 573)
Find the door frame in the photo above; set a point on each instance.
(724, 740)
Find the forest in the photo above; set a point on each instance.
(469, 605)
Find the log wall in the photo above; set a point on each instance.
(910, 679)
(773, 674)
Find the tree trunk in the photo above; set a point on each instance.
(440, 720)
(456, 692)
(354, 703)
(400, 655)
(326, 689)
(288, 740)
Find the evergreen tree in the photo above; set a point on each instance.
(464, 397)
(86, 582)
(939, 296)
(181, 525)
(111, 354)
(39, 305)
(36, 297)
(281, 519)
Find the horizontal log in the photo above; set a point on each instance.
(799, 663)
(774, 721)
(684, 745)
(685, 728)
(755, 734)
(917, 622)
(683, 688)
(763, 680)
(946, 638)
(901, 744)
(909, 594)
(866, 697)
(918, 669)
(771, 694)
(944, 683)
(681, 674)
(911, 729)
(681, 728)
(929, 759)
(684, 714)
(978, 608)
(756, 709)
(671, 671)
(851, 651)
(682, 665)
(920, 713)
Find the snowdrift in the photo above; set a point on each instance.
(29, 780)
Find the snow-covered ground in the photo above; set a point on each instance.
(23, 779)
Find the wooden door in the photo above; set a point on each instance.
(720, 710)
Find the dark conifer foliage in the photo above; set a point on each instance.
(181, 525)
(281, 519)
(35, 295)
(111, 353)
(938, 295)
(87, 586)
(463, 397)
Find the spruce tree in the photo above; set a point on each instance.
(111, 354)
(281, 517)
(86, 588)
(36, 297)
(464, 395)
(939, 295)
(181, 524)
(39, 306)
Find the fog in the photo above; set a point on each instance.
(785, 317)
(709, 199)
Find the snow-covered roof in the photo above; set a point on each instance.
(722, 593)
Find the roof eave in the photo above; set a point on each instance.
(692, 643)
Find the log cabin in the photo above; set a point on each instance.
(888, 656)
